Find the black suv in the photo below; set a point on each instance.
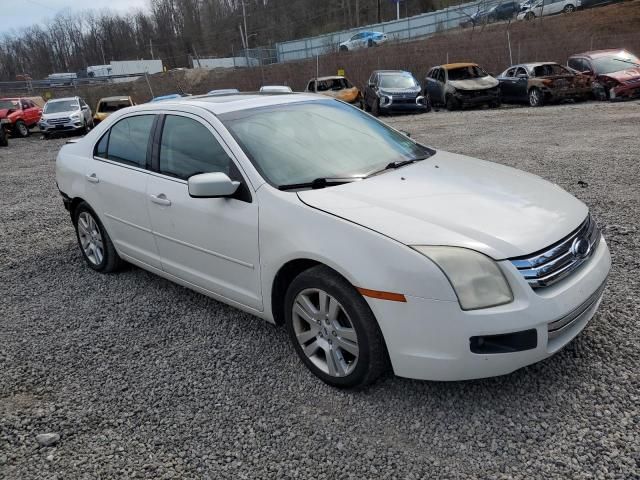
(391, 91)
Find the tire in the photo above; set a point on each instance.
(536, 97)
(427, 100)
(375, 108)
(46, 136)
(569, 9)
(4, 142)
(20, 129)
(492, 19)
(495, 104)
(530, 16)
(452, 103)
(347, 351)
(100, 255)
(370, 43)
(85, 128)
(344, 48)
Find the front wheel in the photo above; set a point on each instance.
(529, 16)
(21, 129)
(452, 103)
(375, 108)
(569, 9)
(94, 241)
(3, 138)
(333, 330)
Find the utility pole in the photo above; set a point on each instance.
(379, 13)
(104, 61)
(246, 34)
(397, 9)
(151, 48)
(357, 13)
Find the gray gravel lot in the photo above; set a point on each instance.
(145, 379)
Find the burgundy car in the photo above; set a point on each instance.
(615, 73)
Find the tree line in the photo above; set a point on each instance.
(175, 30)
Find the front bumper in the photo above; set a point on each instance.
(480, 97)
(70, 126)
(404, 105)
(626, 91)
(433, 340)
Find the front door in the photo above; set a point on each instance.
(211, 243)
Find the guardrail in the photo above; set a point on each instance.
(405, 29)
(32, 86)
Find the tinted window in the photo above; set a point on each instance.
(101, 147)
(189, 148)
(440, 75)
(129, 139)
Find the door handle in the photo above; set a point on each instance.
(161, 200)
(93, 178)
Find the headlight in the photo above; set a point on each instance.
(476, 279)
(75, 115)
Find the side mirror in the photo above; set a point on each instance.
(211, 185)
(86, 107)
(587, 72)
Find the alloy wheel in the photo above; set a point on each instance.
(534, 97)
(90, 238)
(22, 128)
(325, 332)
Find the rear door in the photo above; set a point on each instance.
(211, 243)
(435, 85)
(117, 179)
(521, 84)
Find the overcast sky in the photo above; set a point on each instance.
(15, 14)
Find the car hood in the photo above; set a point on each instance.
(47, 116)
(475, 83)
(624, 75)
(455, 200)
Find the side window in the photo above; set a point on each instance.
(521, 71)
(311, 86)
(440, 76)
(101, 147)
(510, 73)
(129, 139)
(188, 148)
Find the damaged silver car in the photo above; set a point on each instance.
(459, 85)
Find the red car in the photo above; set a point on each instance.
(615, 73)
(18, 115)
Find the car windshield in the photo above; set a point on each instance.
(61, 106)
(108, 107)
(300, 142)
(615, 63)
(8, 104)
(466, 73)
(397, 80)
(334, 84)
(549, 70)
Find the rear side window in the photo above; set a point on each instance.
(189, 148)
(127, 141)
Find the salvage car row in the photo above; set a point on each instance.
(603, 75)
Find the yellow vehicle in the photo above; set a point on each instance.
(108, 105)
(336, 87)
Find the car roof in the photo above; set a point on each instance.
(530, 66)
(334, 77)
(599, 53)
(391, 71)
(62, 99)
(113, 99)
(453, 66)
(220, 104)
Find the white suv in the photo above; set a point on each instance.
(371, 248)
(70, 114)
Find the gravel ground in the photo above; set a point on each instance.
(142, 378)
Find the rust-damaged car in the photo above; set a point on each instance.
(336, 87)
(615, 73)
(540, 83)
(459, 85)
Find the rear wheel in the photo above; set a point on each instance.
(536, 97)
(3, 138)
(370, 43)
(21, 129)
(94, 241)
(375, 108)
(333, 330)
(530, 16)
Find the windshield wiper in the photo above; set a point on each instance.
(320, 183)
(395, 165)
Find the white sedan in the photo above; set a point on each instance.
(375, 251)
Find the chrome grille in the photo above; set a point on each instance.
(59, 121)
(557, 327)
(544, 268)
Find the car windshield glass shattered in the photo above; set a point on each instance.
(466, 73)
(8, 104)
(615, 63)
(397, 80)
(62, 106)
(301, 142)
(108, 107)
